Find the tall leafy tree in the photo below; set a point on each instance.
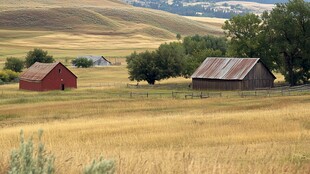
(38, 55)
(14, 64)
(198, 48)
(289, 26)
(167, 61)
(170, 59)
(281, 38)
(142, 67)
(243, 32)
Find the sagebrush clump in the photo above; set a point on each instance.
(102, 166)
(26, 160)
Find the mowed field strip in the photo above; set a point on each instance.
(162, 135)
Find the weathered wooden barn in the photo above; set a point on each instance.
(232, 74)
(97, 60)
(47, 76)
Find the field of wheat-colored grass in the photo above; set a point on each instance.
(71, 28)
(157, 135)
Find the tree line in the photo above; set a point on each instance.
(281, 38)
(174, 59)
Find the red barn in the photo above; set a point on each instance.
(47, 76)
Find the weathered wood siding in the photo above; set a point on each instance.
(258, 77)
(214, 84)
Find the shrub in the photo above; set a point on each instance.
(102, 166)
(14, 64)
(82, 62)
(8, 75)
(38, 55)
(12, 75)
(4, 77)
(24, 160)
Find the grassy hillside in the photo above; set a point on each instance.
(71, 28)
(17, 4)
(158, 135)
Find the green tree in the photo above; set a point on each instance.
(289, 27)
(170, 59)
(198, 48)
(14, 64)
(249, 37)
(142, 66)
(167, 61)
(280, 38)
(178, 36)
(197, 43)
(82, 62)
(243, 32)
(38, 55)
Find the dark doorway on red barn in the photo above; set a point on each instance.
(63, 87)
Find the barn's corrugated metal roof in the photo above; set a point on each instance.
(93, 58)
(225, 68)
(90, 57)
(38, 71)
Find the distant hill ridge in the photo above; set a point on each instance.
(104, 17)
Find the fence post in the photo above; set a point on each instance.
(282, 91)
(201, 95)
(147, 94)
(172, 94)
(130, 94)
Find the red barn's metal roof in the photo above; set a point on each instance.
(225, 68)
(38, 71)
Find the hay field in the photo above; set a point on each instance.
(158, 135)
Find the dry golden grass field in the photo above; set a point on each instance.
(106, 27)
(158, 134)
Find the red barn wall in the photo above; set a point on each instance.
(58, 76)
(28, 85)
(52, 81)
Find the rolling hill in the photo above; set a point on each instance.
(58, 21)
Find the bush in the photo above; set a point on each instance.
(24, 160)
(12, 75)
(8, 75)
(102, 166)
(4, 77)
(82, 62)
(14, 64)
(38, 55)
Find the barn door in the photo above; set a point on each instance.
(62, 86)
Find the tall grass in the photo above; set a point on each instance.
(163, 135)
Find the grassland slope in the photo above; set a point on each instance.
(17, 4)
(89, 27)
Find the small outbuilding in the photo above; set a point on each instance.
(232, 74)
(47, 76)
(97, 60)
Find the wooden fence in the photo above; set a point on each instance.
(279, 91)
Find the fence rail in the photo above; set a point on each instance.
(279, 91)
